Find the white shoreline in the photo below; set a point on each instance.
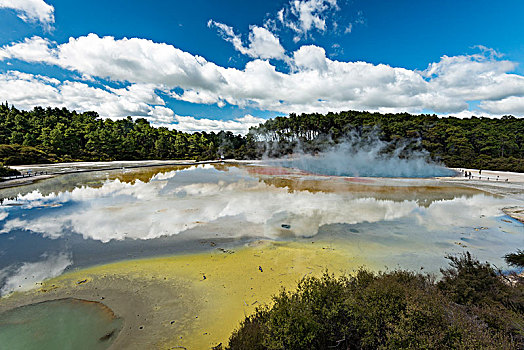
(491, 175)
(56, 169)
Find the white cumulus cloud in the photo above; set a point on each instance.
(262, 43)
(35, 49)
(314, 82)
(509, 105)
(311, 57)
(31, 10)
(138, 100)
(237, 126)
(303, 16)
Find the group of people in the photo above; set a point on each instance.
(468, 175)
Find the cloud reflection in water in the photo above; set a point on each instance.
(205, 202)
(174, 202)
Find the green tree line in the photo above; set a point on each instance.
(57, 134)
(53, 134)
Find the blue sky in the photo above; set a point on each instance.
(208, 65)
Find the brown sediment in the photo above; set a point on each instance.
(166, 302)
(358, 180)
(516, 213)
(424, 193)
(107, 311)
(145, 174)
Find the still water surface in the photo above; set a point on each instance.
(59, 324)
(81, 220)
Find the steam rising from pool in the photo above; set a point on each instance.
(368, 159)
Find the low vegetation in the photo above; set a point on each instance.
(6, 171)
(473, 306)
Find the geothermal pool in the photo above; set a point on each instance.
(59, 324)
(214, 241)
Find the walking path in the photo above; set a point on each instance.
(491, 175)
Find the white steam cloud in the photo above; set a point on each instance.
(346, 160)
(367, 157)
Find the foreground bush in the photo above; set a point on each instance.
(472, 307)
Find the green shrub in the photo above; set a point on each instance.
(17, 155)
(515, 259)
(6, 171)
(470, 308)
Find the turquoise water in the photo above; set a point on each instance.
(59, 324)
